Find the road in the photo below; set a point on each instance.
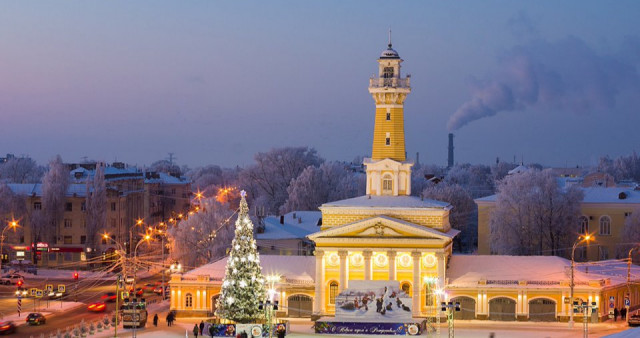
(88, 291)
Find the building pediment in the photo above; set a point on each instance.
(381, 227)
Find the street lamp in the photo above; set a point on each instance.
(581, 238)
(271, 304)
(13, 224)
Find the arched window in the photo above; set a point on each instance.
(605, 225)
(387, 185)
(333, 292)
(406, 288)
(188, 300)
(583, 223)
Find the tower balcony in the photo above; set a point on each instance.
(389, 82)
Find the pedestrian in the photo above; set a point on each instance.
(155, 320)
(615, 314)
(168, 319)
(623, 313)
(201, 327)
(196, 330)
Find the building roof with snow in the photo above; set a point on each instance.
(399, 202)
(518, 170)
(594, 195)
(497, 271)
(35, 189)
(304, 223)
(151, 177)
(292, 269)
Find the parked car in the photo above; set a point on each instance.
(11, 279)
(36, 318)
(138, 292)
(634, 320)
(7, 327)
(109, 297)
(148, 288)
(158, 289)
(97, 307)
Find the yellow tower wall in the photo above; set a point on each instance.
(395, 129)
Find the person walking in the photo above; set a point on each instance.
(196, 330)
(168, 319)
(155, 320)
(201, 327)
(615, 314)
(623, 313)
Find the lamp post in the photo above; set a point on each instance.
(118, 280)
(11, 224)
(629, 261)
(271, 303)
(581, 238)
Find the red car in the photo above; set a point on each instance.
(109, 297)
(138, 292)
(97, 307)
(7, 327)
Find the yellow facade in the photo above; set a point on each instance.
(388, 134)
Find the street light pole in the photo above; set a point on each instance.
(12, 224)
(573, 265)
(629, 261)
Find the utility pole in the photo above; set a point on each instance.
(449, 309)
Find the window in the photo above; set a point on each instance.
(68, 256)
(113, 206)
(387, 72)
(583, 223)
(83, 239)
(581, 254)
(67, 223)
(605, 225)
(37, 206)
(333, 292)
(387, 141)
(83, 206)
(173, 191)
(68, 239)
(104, 241)
(387, 185)
(188, 300)
(388, 116)
(68, 206)
(603, 252)
(113, 222)
(406, 288)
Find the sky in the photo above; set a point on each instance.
(215, 82)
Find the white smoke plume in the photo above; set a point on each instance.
(566, 75)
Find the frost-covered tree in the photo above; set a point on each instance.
(12, 207)
(476, 179)
(204, 236)
(268, 179)
(54, 189)
(21, 170)
(317, 185)
(96, 204)
(461, 216)
(243, 287)
(534, 216)
(165, 166)
(630, 233)
(621, 168)
(423, 176)
(210, 178)
(500, 170)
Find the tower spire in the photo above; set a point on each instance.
(389, 37)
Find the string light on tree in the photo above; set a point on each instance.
(241, 303)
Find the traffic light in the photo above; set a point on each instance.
(19, 283)
(75, 276)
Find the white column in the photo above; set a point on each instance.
(442, 268)
(396, 183)
(344, 273)
(318, 303)
(367, 264)
(180, 301)
(416, 283)
(204, 300)
(197, 304)
(391, 256)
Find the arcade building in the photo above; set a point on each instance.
(390, 235)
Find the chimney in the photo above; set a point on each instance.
(282, 219)
(418, 159)
(450, 159)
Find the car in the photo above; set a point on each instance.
(36, 318)
(97, 307)
(148, 288)
(109, 297)
(634, 320)
(7, 327)
(158, 289)
(55, 295)
(138, 292)
(11, 279)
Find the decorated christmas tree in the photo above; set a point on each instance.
(243, 286)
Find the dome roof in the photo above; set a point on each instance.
(389, 53)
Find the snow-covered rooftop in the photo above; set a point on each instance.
(291, 229)
(402, 202)
(518, 170)
(292, 269)
(28, 189)
(620, 195)
(538, 271)
(164, 178)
